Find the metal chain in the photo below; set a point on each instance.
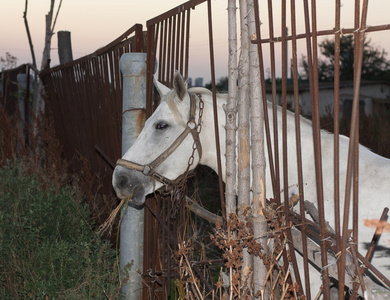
(198, 130)
(178, 191)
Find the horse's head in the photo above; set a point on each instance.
(162, 150)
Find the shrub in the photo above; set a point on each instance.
(48, 249)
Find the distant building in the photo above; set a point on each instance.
(189, 82)
(374, 97)
(199, 81)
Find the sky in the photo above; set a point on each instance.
(95, 23)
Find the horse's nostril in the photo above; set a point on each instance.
(123, 181)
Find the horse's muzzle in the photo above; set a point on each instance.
(130, 184)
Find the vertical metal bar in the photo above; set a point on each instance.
(173, 47)
(168, 77)
(299, 151)
(355, 196)
(336, 128)
(276, 168)
(187, 51)
(155, 252)
(166, 248)
(284, 109)
(182, 36)
(318, 155)
(284, 144)
(355, 184)
(148, 219)
(216, 129)
(161, 51)
(284, 122)
(359, 44)
(178, 43)
(313, 82)
(151, 54)
(163, 61)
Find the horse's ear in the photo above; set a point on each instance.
(179, 86)
(162, 89)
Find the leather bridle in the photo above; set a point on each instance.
(191, 127)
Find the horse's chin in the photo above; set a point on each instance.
(136, 196)
(137, 201)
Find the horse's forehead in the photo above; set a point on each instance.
(170, 107)
(163, 110)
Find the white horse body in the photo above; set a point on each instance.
(374, 191)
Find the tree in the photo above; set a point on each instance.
(375, 64)
(8, 62)
(38, 105)
(38, 102)
(220, 86)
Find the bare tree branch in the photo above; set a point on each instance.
(29, 35)
(231, 112)
(55, 19)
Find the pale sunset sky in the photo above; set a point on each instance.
(95, 23)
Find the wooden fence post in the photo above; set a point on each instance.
(64, 47)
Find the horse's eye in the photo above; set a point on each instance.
(161, 126)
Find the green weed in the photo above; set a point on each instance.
(48, 249)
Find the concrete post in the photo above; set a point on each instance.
(133, 67)
(64, 47)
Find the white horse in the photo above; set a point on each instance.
(152, 161)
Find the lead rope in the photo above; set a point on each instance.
(178, 191)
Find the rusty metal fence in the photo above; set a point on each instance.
(271, 44)
(169, 33)
(85, 97)
(165, 220)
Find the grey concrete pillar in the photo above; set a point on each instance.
(133, 67)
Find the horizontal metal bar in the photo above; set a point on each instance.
(174, 11)
(324, 32)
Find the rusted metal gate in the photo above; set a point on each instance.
(165, 217)
(271, 44)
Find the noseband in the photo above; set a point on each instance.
(191, 127)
